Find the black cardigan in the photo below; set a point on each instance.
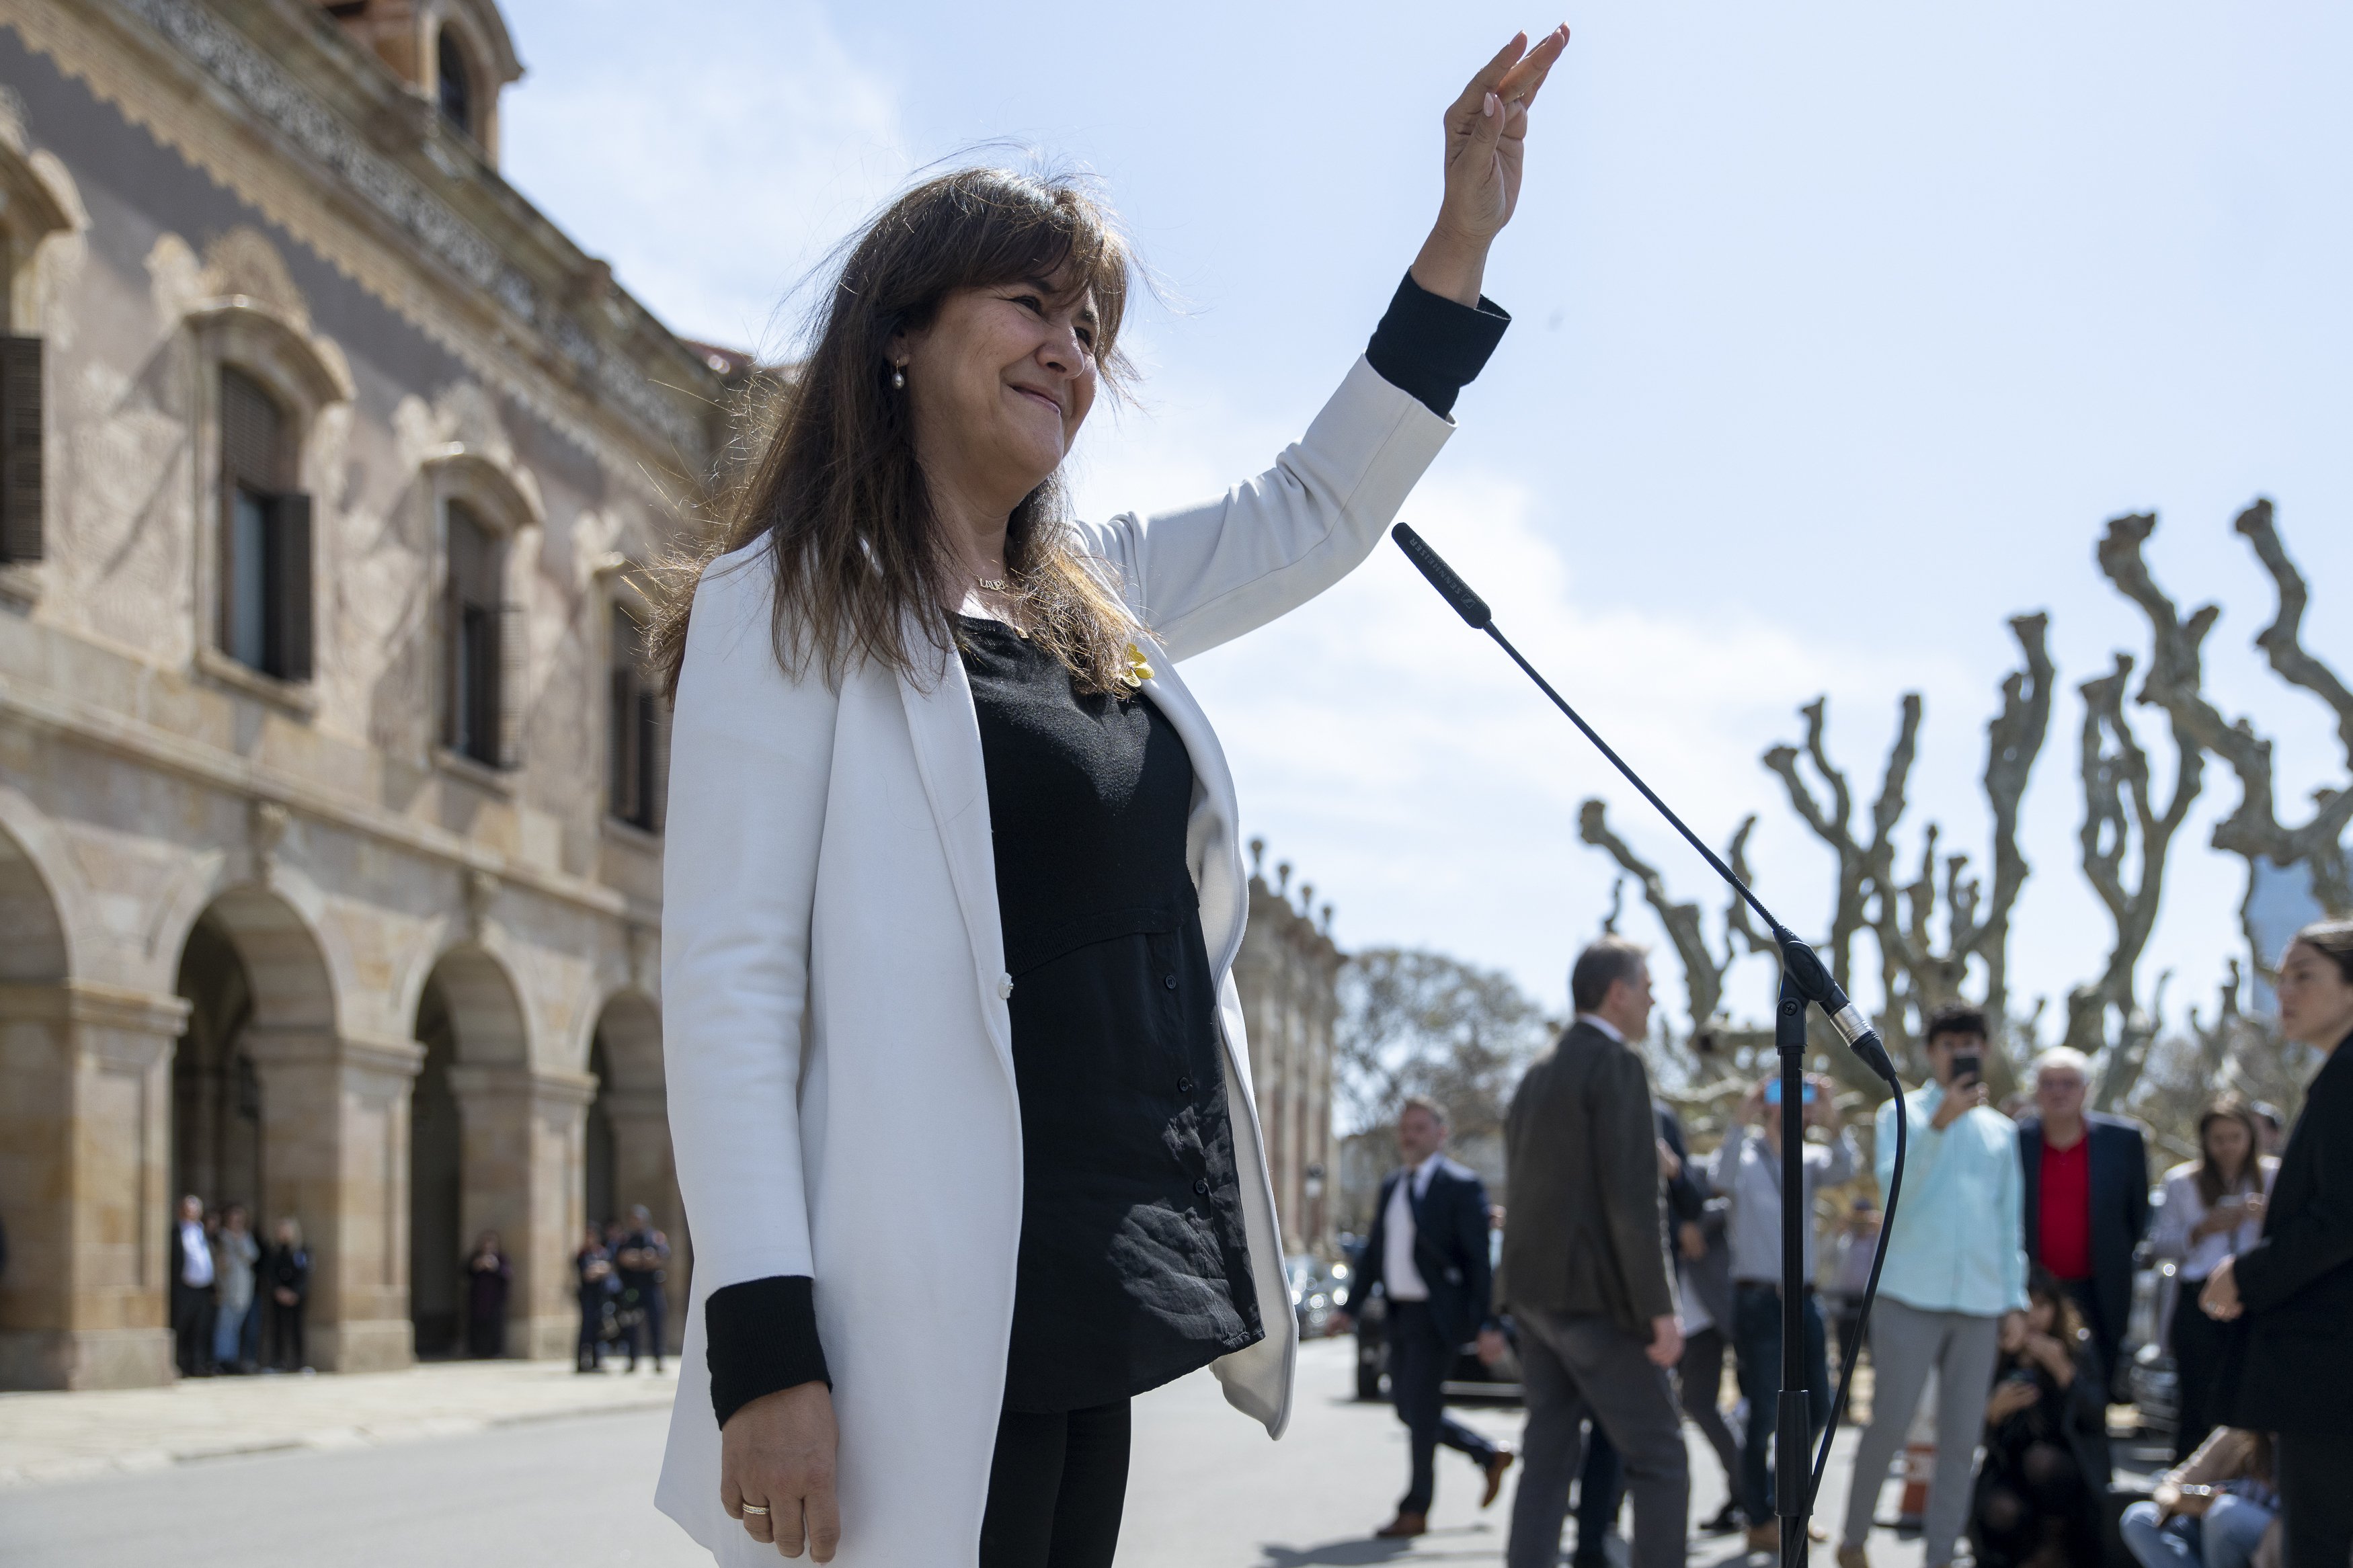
(2297, 1282)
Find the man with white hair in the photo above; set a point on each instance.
(2087, 1194)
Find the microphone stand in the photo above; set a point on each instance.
(1804, 983)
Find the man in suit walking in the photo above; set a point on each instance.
(1428, 1253)
(2087, 1198)
(1584, 1274)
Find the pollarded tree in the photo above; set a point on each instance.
(1914, 973)
(2120, 811)
(2254, 830)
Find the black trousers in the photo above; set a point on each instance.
(193, 1309)
(284, 1349)
(649, 1321)
(1419, 1358)
(2315, 1503)
(2107, 1339)
(1056, 1489)
(2199, 1343)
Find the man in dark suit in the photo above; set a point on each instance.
(1585, 1273)
(1428, 1253)
(2087, 1198)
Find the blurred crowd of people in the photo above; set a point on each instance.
(619, 1272)
(237, 1301)
(1632, 1268)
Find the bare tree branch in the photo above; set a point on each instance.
(2254, 828)
(2119, 815)
(1703, 972)
(1833, 826)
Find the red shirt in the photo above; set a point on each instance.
(2066, 1209)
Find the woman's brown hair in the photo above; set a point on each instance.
(2229, 1108)
(2333, 939)
(861, 570)
(2066, 1319)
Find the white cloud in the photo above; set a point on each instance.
(713, 159)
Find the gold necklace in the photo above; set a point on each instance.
(990, 585)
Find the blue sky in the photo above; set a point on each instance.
(1841, 331)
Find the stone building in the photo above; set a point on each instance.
(330, 793)
(329, 789)
(1288, 973)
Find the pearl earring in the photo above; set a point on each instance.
(899, 378)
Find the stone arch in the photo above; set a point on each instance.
(495, 1143)
(36, 1096)
(256, 1092)
(627, 1160)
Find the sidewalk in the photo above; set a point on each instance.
(65, 1437)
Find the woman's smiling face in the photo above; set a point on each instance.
(999, 382)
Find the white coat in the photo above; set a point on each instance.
(836, 1036)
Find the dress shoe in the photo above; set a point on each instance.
(1496, 1465)
(1765, 1537)
(1403, 1526)
(1727, 1518)
(1853, 1557)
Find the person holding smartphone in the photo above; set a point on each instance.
(1747, 1172)
(1954, 1285)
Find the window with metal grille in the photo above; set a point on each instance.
(635, 735)
(265, 535)
(457, 87)
(478, 642)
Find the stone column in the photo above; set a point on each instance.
(644, 1172)
(334, 1116)
(525, 1133)
(85, 1149)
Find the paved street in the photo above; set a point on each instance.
(476, 1461)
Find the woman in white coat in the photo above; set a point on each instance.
(958, 1078)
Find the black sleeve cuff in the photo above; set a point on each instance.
(1433, 347)
(761, 1338)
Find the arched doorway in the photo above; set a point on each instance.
(38, 1311)
(629, 1118)
(474, 1148)
(435, 1186)
(216, 1123)
(598, 1153)
(257, 1053)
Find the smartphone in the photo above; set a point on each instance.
(1967, 1067)
(1773, 1092)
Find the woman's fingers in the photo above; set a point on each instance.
(1467, 108)
(1521, 82)
(824, 1524)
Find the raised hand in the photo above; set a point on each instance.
(1486, 139)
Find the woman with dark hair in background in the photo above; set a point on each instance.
(2213, 1207)
(2046, 1465)
(488, 1277)
(952, 886)
(285, 1287)
(2294, 1288)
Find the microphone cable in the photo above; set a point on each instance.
(1801, 964)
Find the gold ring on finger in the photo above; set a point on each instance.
(755, 1510)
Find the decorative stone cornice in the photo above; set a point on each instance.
(95, 1004)
(313, 129)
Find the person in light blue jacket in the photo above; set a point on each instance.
(1952, 1295)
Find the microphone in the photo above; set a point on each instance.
(1798, 960)
(1804, 982)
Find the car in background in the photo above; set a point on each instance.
(1316, 1288)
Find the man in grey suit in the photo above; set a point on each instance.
(1584, 1272)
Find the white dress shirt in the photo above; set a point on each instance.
(1399, 1278)
(196, 1255)
(1604, 1024)
(2181, 1211)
